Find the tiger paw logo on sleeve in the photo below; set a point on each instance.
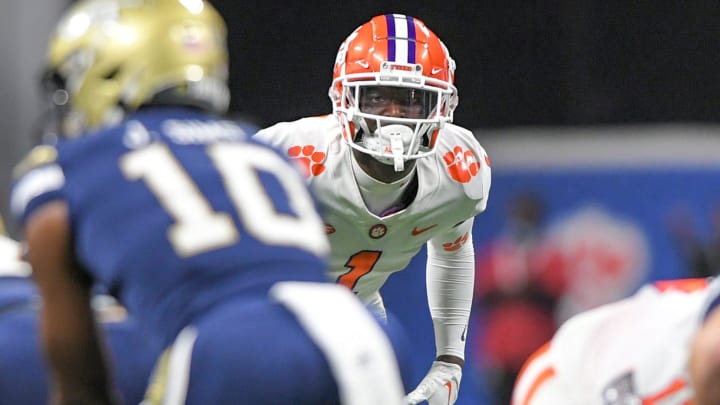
(310, 159)
(456, 244)
(462, 164)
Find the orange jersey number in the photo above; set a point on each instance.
(360, 264)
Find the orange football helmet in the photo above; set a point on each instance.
(393, 88)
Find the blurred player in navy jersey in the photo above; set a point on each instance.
(23, 372)
(210, 240)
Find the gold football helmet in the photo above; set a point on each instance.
(108, 57)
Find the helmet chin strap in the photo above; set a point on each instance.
(396, 146)
(395, 138)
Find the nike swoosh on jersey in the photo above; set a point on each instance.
(416, 231)
(449, 387)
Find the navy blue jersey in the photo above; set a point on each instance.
(23, 372)
(16, 293)
(174, 211)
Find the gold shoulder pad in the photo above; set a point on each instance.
(38, 156)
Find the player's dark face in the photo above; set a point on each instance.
(397, 102)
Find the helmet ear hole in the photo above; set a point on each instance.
(111, 74)
(51, 80)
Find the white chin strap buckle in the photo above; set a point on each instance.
(396, 145)
(399, 136)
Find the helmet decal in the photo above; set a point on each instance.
(401, 38)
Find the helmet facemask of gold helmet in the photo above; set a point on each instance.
(110, 57)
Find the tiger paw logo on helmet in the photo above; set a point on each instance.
(310, 159)
(463, 165)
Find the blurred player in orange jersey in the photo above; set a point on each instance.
(704, 361)
(393, 174)
(633, 351)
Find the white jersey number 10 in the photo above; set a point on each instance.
(198, 228)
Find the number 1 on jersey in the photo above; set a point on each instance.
(360, 264)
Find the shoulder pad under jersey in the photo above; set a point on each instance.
(310, 130)
(307, 140)
(39, 156)
(37, 178)
(466, 161)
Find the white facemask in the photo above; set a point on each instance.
(394, 138)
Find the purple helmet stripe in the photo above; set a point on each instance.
(412, 36)
(390, 19)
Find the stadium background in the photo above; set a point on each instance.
(608, 111)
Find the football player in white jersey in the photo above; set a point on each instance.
(704, 360)
(393, 174)
(633, 351)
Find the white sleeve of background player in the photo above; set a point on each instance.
(565, 370)
(450, 277)
(538, 383)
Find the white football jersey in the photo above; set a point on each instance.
(453, 186)
(633, 351)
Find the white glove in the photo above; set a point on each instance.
(439, 387)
